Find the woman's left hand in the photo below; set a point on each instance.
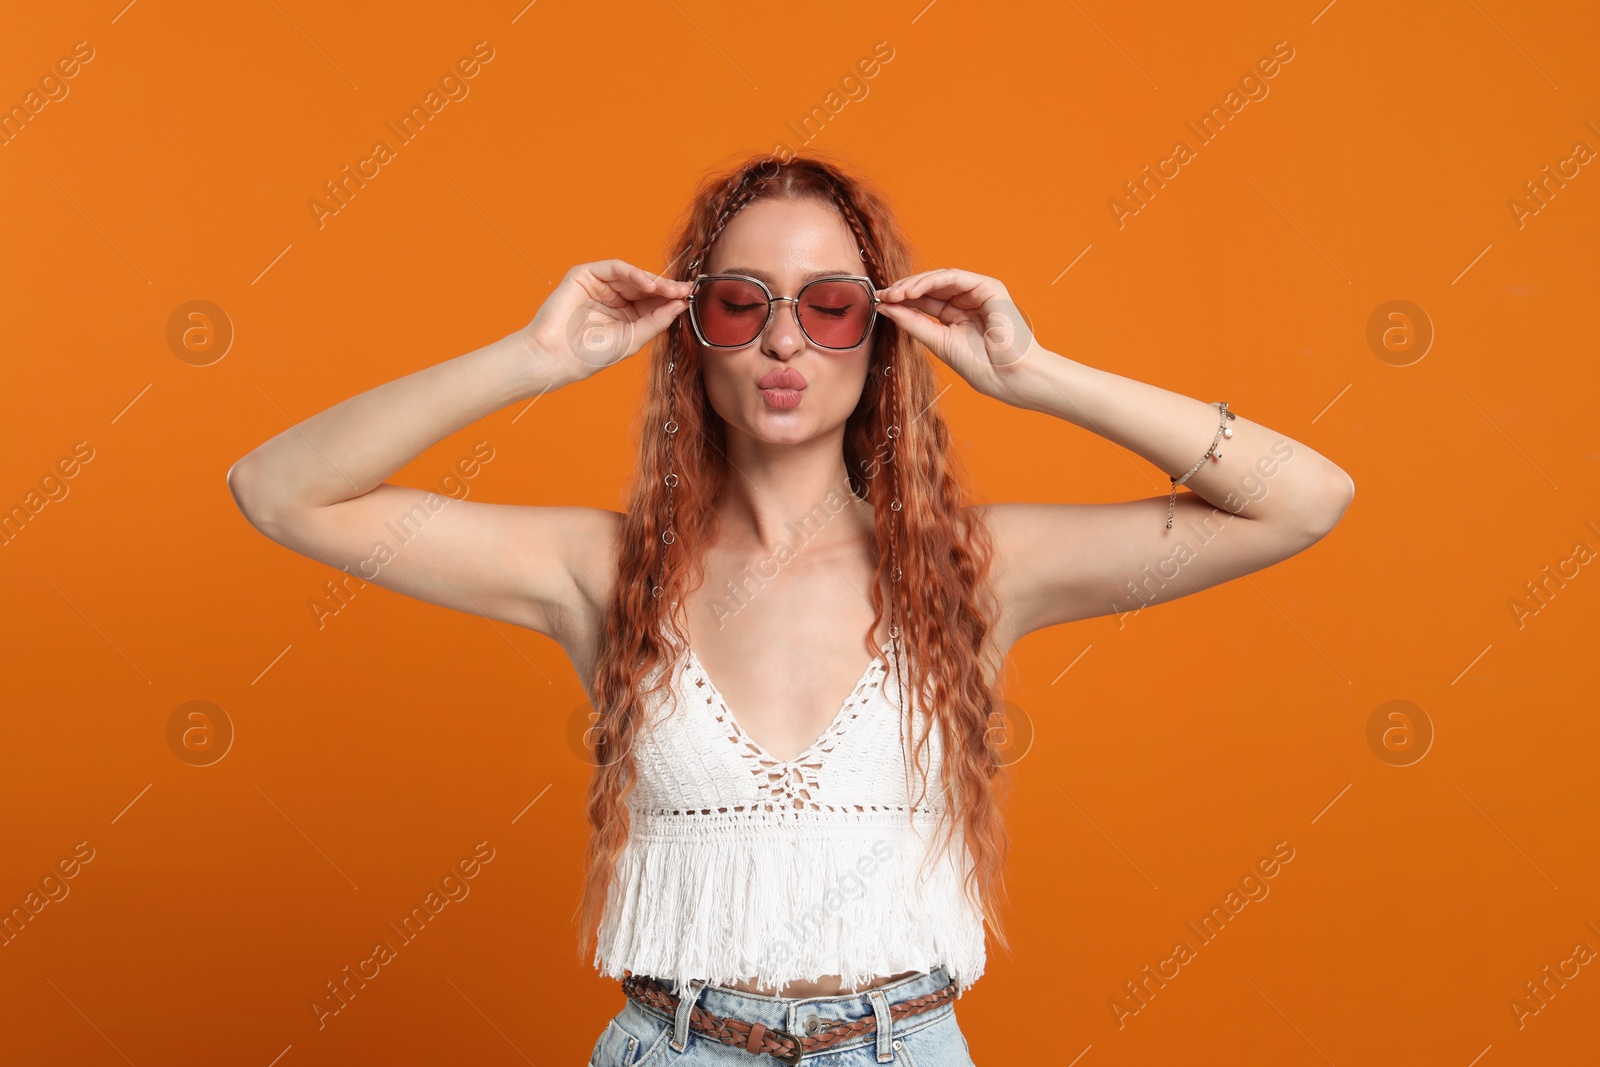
(980, 332)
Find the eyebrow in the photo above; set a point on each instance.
(770, 280)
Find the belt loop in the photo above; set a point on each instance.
(680, 1023)
(880, 1010)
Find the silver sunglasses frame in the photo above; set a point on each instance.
(872, 317)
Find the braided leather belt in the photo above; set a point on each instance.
(760, 1038)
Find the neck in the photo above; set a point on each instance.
(789, 494)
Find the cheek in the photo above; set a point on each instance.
(846, 388)
(861, 374)
(720, 382)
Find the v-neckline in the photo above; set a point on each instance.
(880, 660)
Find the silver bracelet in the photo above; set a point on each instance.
(1223, 430)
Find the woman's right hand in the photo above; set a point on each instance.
(599, 314)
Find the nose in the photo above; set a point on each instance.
(783, 338)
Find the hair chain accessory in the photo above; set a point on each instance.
(891, 374)
(1223, 430)
(670, 427)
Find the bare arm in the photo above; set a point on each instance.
(320, 487)
(1266, 497)
(1263, 498)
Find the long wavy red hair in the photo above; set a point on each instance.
(934, 552)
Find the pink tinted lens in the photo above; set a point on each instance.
(835, 314)
(731, 312)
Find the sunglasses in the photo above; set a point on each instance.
(732, 310)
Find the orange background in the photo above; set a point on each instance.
(372, 754)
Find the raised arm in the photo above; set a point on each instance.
(320, 487)
(1262, 498)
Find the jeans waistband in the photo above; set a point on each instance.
(804, 1015)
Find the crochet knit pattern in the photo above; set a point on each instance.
(741, 866)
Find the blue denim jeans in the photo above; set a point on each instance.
(643, 1037)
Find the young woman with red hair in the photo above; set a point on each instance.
(772, 875)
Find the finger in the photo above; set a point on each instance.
(933, 306)
(904, 286)
(616, 270)
(950, 282)
(919, 326)
(674, 289)
(601, 339)
(948, 312)
(896, 289)
(605, 282)
(663, 285)
(631, 283)
(659, 318)
(964, 289)
(636, 283)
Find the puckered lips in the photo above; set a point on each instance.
(782, 378)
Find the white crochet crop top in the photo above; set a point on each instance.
(742, 866)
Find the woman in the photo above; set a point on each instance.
(800, 878)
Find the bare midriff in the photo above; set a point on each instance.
(829, 985)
